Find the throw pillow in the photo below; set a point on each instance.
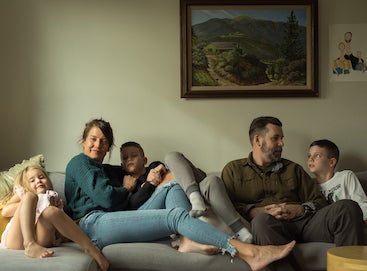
(7, 177)
(3, 221)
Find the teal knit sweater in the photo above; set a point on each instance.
(89, 187)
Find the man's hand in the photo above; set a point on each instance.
(285, 211)
(129, 182)
(282, 211)
(155, 175)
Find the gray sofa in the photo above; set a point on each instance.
(151, 256)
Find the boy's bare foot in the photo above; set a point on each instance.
(260, 256)
(34, 250)
(188, 246)
(98, 256)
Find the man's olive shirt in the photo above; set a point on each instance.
(286, 182)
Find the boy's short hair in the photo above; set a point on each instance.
(132, 144)
(331, 148)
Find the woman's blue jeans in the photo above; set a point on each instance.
(165, 213)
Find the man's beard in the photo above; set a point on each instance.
(274, 154)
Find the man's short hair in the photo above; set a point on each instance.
(331, 148)
(258, 125)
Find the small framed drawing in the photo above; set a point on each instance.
(249, 48)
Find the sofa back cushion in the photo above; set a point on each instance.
(58, 183)
(362, 176)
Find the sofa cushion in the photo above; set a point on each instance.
(161, 256)
(58, 183)
(3, 221)
(312, 255)
(69, 257)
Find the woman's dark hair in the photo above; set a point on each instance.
(105, 128)
(258, 125)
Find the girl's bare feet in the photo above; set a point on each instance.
(34, 250)
(260, 256)
(188, 246)
(98, 256)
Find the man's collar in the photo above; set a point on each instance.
(275, 167)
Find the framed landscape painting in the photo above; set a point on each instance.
(249, 48)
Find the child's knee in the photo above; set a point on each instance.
(349, 207)
(51, 211)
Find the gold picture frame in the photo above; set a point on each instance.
(249, 48)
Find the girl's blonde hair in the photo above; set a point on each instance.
(21, 179)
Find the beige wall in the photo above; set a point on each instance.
(65, 62)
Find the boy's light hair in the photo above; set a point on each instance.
(21, 179)
(330, 147)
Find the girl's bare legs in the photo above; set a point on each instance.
(53, 217)
(260, 256)
(22, 234)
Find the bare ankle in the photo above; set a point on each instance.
(28, 244)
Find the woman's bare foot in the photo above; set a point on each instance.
(34, 250)
(260, 256)
(188, 246)
(98, 256)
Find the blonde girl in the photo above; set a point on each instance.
(37, 219)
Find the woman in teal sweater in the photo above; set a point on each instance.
(97, 199)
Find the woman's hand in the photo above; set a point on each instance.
(129, 182)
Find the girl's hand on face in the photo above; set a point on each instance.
(129, 182)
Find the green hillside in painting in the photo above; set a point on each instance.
(247, 51)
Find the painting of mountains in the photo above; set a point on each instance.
(243, 49)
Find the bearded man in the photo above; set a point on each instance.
(281, 200)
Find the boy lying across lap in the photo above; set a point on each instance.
(133, 161)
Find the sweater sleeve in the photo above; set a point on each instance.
(87, 187)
